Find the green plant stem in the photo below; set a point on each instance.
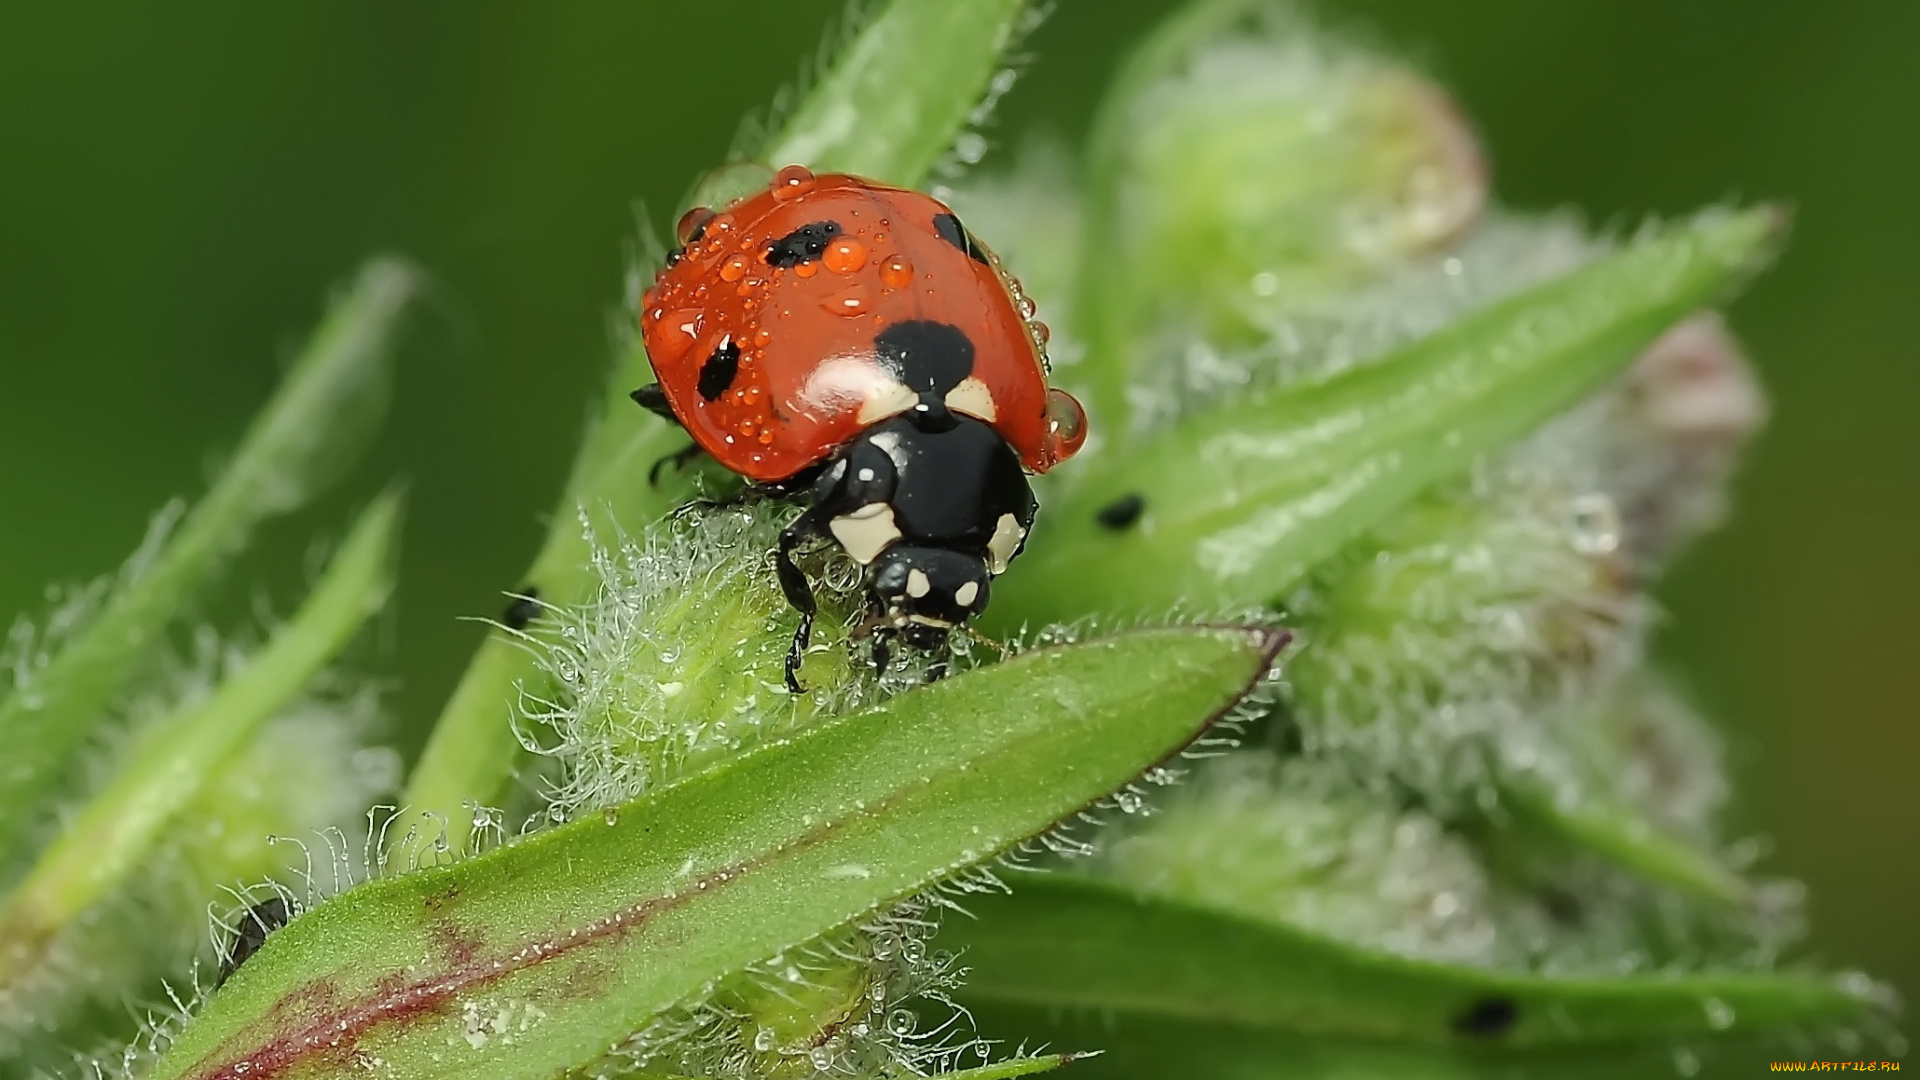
(889, 106)
(171, 761)
(332, 398)
(904, 87)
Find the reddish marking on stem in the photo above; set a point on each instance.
(335, 1033)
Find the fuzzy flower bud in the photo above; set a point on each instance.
(1261, 163)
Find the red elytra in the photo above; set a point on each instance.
(762, 331)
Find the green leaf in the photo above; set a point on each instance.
(174, 758)
(1180, 982)
(333, 397)
(1617, 831)
(1240, 502)
(538, 956)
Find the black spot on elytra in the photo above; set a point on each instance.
(260, 920)
(954, 233)
(930, 357)
(1122, 512)
(1488, 1017)
(523, 609)
(718, 372)
(802, 245)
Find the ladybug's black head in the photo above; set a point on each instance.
(923, 592)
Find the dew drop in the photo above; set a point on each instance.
(913, 950)
(691, 223)
(734, 268)
(849, 304)
(1066, 426)
(901, 1022)
(896, 272)
(820, 1058)
(1719, 1014)
(1686, 1062)
(792, 182)
(611, 815)
(763, 1039)
(1595, 524)
(845, 255)
(807, 269)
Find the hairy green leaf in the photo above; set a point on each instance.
(167, 767)
(324, 408)
(538, 956)
(1240, 502)
(1173, 981)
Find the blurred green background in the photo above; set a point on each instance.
(179, 188)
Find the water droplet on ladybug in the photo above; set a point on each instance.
(897, 272)
(845, 255)
(763, 337)
(1028, 309)
(807, 269)
(1066, 426)
(850, 303)
(792, 182)
(734, 269)
(693, 224)
(766, 436)
(1040, 332)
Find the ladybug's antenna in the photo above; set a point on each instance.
(987, 641)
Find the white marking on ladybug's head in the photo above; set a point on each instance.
(1005, 543)
(865, 532)
(965, 594)
(917, 584)
(886, 400)
(974, 399)
(928, 620)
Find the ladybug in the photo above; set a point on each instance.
(850, 346)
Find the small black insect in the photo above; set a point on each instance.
(1488, 1017)
(260, 920)
(1123, 512)
(522, 609)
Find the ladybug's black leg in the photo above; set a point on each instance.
(678, 459)
(940, 664)
(653, 399)
(799, 592)
(881, 652)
